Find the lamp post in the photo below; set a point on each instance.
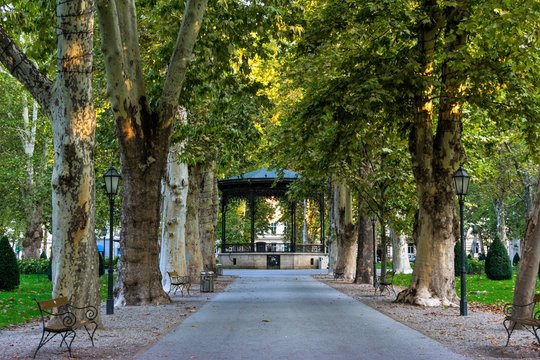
(112, 178)
(461, 182)
(374, 253)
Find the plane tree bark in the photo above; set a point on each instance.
(436, 155)
(68, 102)
(144, 136)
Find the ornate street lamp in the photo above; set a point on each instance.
(112, 179)
(374, 252)
(461, 182)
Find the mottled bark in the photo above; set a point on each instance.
(68, 102)
(208, 212)
(144, 136)
(435, 158)
(194, 256)
(346, 231)
(501, 220)
(400, 258)
(364, 259)
(173, 234)
(33, 235)
(530, 259)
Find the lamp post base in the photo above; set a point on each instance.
(110, 306)
(463, 308)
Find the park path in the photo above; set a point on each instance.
(286, 314)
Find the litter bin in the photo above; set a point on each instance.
(207, 281)
(219, 269)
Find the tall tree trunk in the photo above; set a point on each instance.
(75, 261)
(173, 234)
(530, 258)
(144, 139)
(34, 211)
(346, 231)
(435, 158)
(400, 258)
(68, 102)
(194, 257)
(501, 220)
(364, 259)
(208, 213)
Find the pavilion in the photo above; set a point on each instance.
(268, 183)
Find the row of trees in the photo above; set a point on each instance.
(382, 100)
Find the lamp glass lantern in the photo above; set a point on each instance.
(461, 181)
(112, 178)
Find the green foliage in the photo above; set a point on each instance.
(498, 265)
(49, 268)
(33, 266)
(475, 266)
(9, 272)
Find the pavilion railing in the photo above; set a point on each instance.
(246, 248)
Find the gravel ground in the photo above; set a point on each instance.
(479, 335)
(131, 329)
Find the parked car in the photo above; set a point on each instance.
(412, 258)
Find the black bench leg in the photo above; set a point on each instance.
(510, 330)
(91, 335)
(535, 329)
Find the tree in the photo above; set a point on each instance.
(68, 102)
(144, 127)
(9, 272)
(498, 265)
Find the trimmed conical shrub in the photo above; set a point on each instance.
(498, 264)
(43, 255)
(9, 271)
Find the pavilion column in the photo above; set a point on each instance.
(322, 213)
(224, 200)
(293, 227)
(252, 211)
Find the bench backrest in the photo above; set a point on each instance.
(53, 303)
(172, 273)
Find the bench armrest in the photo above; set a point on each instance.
(509, 309)
(90, 312)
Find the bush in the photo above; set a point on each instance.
(33, 266)
(498, 265)
(475, 267)
(9, 272)
(49, 269)
(43, 255)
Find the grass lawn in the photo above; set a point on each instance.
(18, 306)
(479, 288)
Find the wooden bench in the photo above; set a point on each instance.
(58, 317)
(179, 282)
(531, 322)
(386, 285)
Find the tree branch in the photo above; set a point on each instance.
(181, 57)
(25, 71)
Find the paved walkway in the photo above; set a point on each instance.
(280, 314)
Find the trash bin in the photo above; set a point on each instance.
(207, 281)
(219, 269)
